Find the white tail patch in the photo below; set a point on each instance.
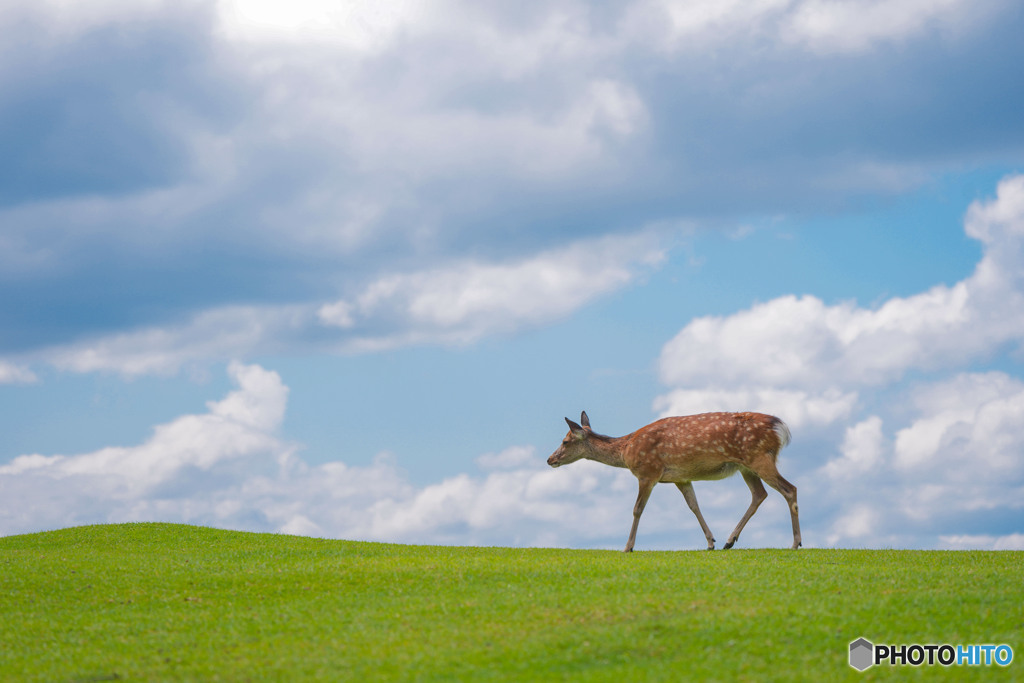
(783, 432)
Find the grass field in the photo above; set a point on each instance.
(171, 602)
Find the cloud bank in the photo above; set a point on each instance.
(880, 460)
(946, 446)
(261, 168)
(454, 305)
(935, 461)
(229, 467)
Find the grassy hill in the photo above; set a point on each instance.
(171, 602)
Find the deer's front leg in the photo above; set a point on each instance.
(646, 486)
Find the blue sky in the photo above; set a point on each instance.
(341, 269)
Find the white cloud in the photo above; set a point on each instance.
(799, 407)
(228, 467)
(15, 374)
(862, 450)
(434, 127)
(940, 455)
(468, 300)
(802, 342)
(366, 26)
(212, 335)
(955, 464)
(975, 418)
(537, 144)
(983, 542)
(320, 144)
(67, 17)
(860, 524)
(510, 458)
(240, 425)
(820, 26)
(677, 26)
(457, 304)
(837, 26)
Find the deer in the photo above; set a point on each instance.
(681, 450)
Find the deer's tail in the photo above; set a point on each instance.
(782, 431)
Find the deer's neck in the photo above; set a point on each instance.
(607, 450)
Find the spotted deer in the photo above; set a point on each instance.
(681, 450)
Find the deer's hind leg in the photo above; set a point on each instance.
(691, 499)
(766, 470)
(757, 496)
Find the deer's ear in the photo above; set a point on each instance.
(573, 427)
(584, 420)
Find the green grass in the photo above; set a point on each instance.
(169, 602)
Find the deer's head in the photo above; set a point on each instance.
(575, 445)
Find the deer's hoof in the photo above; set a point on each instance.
(728, 545)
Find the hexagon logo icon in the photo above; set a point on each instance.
(862, 654)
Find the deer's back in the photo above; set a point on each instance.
(705, 446)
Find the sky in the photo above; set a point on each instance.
(341, 269)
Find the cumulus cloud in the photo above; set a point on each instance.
(861, 451)
(240, 425)
(903, 461)
(468, 300)
(859, 525)
(976, 418)
(803, 342)
(456, 304)
(229, 467)
(800, 407)
(955, 466)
